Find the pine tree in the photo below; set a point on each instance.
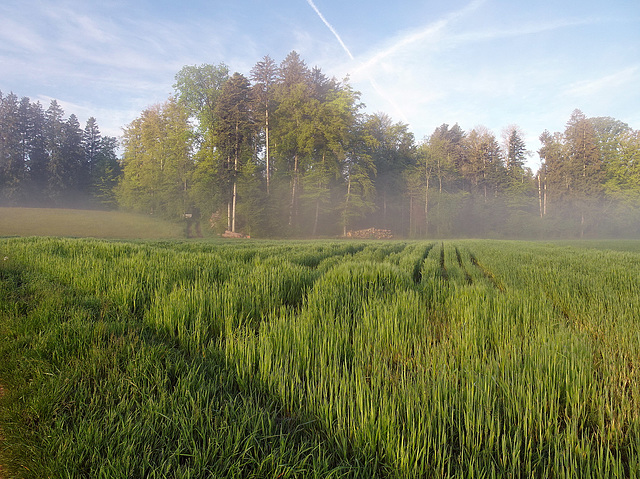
(38, 156)
(264, 75)
(91, 145)
(12, 161)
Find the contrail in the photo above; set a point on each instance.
(375, 86)
(422, 34)
(333, 30)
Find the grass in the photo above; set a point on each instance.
(84, 224)
(319, 359)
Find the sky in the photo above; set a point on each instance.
(491, 63)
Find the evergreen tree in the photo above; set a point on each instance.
(264, 75)
(91, 144)
(59, 170)
(12, 161)
(73, 154)
(515, 152)
(38, 164)
(105, 172)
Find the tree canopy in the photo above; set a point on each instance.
(286, 151)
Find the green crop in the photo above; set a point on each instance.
(319, 359)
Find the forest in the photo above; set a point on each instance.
(286, 151)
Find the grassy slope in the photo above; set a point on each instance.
(85, 224)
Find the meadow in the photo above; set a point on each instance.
(80, 223)
(336, 359)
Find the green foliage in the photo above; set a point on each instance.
(290, 154)
(47, 160)
(157, 165)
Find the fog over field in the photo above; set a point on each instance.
(485, 118)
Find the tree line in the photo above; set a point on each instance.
(288, 152)
(47, 160)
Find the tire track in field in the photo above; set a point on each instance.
(417, 269)
(467, 276)
(443, 267)
(487, 273)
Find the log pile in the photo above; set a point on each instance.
(370, 233)
(231, 234)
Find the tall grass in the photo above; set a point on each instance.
(319, 359)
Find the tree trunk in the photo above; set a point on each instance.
(233, 206)
(266, 130)
(426, 209)
(540, 195)
(315, 221)
(294, 184)
(346, 208)
(384, 208)
(410, 216)
(235, 184)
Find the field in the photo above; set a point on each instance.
(85, 223)
(319, 359)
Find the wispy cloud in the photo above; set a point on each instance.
(427, 32)
(374, 64)
(611, 84)
(520, 30)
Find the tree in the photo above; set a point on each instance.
(585, 165)
(59, 169)
(38, 164)
(515, 152)
(157, 164)
(197, 90)
(358, 172)
(293, 126)
(105, 172)
(234, 135)
(12, 148)
(393, 151)
(264, 75)
(332, 117)
(91, 145)
(623, 170)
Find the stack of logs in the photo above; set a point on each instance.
(370, 233)
(231, 234)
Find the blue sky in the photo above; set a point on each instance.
(471, 62)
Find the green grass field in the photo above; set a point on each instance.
(319, 359)
(84, 224)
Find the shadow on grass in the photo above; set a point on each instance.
(114, 397)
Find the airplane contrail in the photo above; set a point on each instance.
(333, 30)
(431, 29)
(375, 86)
